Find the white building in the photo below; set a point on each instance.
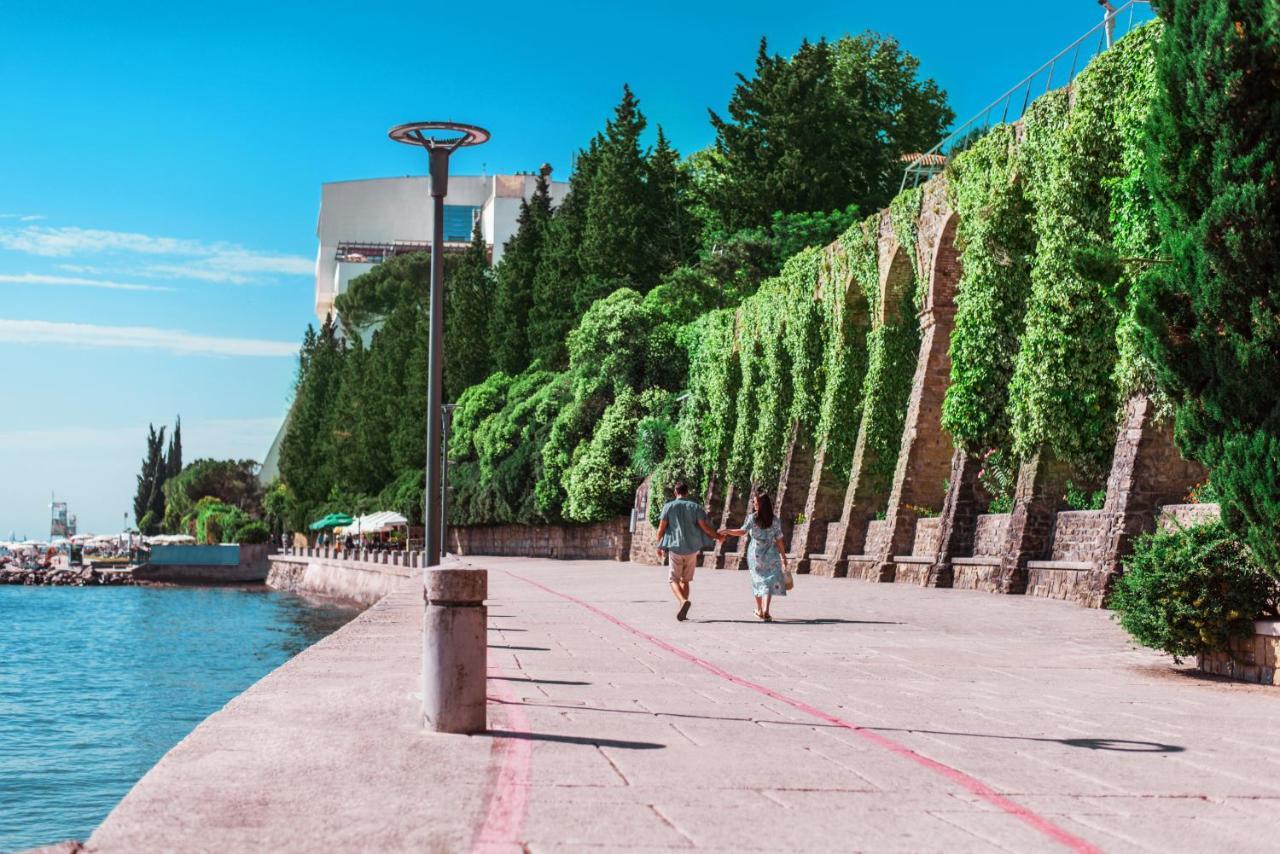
(364, 222)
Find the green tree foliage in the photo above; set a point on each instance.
(157, 467)
(1192, 591)
(214, 521)
(232, 482)
(372, 296)
(468, 297)
(306, 454)
(173, 457)
(510, 335)
(559, 274)
(1212, 313)
(819, 131)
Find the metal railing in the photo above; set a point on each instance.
(1013, 104)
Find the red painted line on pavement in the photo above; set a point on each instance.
(509, 796)
(965, 781)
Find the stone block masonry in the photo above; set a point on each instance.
(1253, 659)
(595, 541)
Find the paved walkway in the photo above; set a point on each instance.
(866, 717)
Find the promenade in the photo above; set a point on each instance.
(865, 718)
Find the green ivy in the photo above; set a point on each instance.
(986, 189)
(1063, 392)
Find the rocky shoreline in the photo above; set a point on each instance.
(86, 577)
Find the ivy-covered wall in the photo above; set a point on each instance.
(1052, 224)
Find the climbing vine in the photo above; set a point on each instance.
(1063, 392)
(986, 190)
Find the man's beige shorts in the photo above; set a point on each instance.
(682, 566)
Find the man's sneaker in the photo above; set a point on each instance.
(683, 613)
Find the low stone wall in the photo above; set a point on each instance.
(1250, 660)
(988, 534)
(1174, 516)
(976, 573)
(364, 582)
(1079, 535)
(596, 541)
(926, 542)
(877, 537)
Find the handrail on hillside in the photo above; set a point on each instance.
(926, 165)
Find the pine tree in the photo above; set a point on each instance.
(616, 249)
(468, 296)
(306, 455)
(559, 275)
(673, 228)
(513, 293)
(1212, 313)
(820, 131)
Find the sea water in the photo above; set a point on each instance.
(97, 683)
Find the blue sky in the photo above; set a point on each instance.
(160, 167)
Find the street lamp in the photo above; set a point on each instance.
(440, 139)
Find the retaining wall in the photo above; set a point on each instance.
(360, 581)
(596, 541)
(1250, 660)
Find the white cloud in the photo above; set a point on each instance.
(23, 217)
(138, 338)
(75, 281)
(216, 261)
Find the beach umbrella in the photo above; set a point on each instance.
(333, 520)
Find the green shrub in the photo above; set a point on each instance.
(251, 532)
(1192, 591)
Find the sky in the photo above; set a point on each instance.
(160, 171)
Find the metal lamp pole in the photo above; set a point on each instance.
(440, 139)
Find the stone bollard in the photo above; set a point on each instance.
(454, 651)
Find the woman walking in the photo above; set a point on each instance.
(766, 555)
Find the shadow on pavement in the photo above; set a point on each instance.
(1120, 745)
(538, 681)
(524, 648)
(575, 739)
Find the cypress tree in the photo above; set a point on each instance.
(468, 295)
(513, 294)
(150, 484)
(673, 228)
(173, 459)
(559, 275)
(616, 249)
(306, 455)
(1212, 312)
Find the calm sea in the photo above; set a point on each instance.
(96, 684)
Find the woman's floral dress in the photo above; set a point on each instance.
(763, 561)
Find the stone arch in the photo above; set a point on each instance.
(944, 272)
(896, 281)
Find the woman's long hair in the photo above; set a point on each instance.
(764, 509)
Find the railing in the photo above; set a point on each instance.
(409, 559)
(1013, 104)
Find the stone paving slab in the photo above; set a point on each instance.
(980, 723)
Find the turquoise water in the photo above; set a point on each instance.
(96, 684)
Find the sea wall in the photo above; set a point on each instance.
(363, 581)
(209, 563)
(595, 541)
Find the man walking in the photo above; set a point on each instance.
(681, 535)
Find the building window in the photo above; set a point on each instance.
(458, 222)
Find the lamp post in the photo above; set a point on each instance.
(447, 416)
(440, 139)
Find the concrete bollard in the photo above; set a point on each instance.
(454, 651)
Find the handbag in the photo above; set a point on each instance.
(788, 579)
